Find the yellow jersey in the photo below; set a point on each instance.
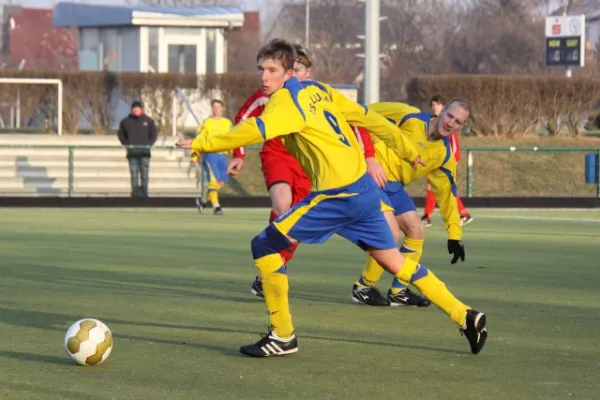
(214, 126)
(316, 118)
(440, 164)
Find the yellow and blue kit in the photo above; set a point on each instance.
(345, 199)
(214, 164)
(440, 164)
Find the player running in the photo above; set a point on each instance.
(422, 130)
(214, 165)
(437, 103)
(344, 198)
(285, 179)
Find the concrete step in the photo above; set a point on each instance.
(51, 152)
(44, 182)
(12, 162)
(69, 140)
(87, 192)
(63, 172)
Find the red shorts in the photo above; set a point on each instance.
(282, 167)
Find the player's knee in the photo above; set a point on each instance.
(281, 197)
(269, 241)
(280, 209)
(414, 228)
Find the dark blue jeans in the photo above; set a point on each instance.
(138, 168)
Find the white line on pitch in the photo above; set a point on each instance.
(537, 218)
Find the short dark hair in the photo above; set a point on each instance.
(437, 98)
(280, 50)
(217, 101)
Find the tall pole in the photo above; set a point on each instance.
(565, 5)
(371, 52)
(306, 22)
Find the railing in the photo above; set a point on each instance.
(532, 171)
(63, 170)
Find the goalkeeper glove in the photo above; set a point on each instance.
(456, 248)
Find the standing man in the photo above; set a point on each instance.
(140, 130)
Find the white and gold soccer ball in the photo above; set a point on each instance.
(88, 342)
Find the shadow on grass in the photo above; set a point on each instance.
(43, 320)
(36, 357)
(45, 392)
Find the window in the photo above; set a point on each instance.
(182, 58)
(89, 50)
(109, 39)
(211, 51)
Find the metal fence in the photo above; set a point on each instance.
(74, 171)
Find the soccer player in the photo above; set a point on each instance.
(285, 179)
(437, 103)
(423, 130)
(344, 198)
(214, 165)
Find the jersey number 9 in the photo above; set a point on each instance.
(336, 127)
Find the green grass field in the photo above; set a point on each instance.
(173, 285)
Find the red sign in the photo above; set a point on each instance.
(556, 29)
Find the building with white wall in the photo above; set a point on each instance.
(150, 38)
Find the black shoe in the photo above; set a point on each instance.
(256, 288)
(218, 211)
(426, 220)
(407, 297)
(474, 330)
(465, 220)
(271, 345)
(368, 295)
(200, 204)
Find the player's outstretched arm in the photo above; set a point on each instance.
(444, 189)
(281, 117)
(376, 124)
(390, 111)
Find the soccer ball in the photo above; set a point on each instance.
(88, 342)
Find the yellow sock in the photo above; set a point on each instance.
(275, 288)
(371, 273)
(411, 249)
(434, 289)
(213, 197)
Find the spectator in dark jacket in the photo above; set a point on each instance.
(140, 130)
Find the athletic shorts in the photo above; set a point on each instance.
(395, 197)
(353, 212)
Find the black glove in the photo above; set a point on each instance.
(456, 248)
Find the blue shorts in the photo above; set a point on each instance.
(215, 168)
(353, 212)
(395, 196)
